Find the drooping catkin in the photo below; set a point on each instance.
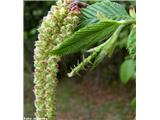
(56, 26)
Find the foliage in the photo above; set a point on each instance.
(131, 44)
(134, 103)
(127, 70)
(110, 10)
(91, 34)
(87, 36)
(98, 33)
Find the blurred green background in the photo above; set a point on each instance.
(95, 95)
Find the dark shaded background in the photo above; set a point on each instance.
(95, 95)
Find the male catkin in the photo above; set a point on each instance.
(56, 26)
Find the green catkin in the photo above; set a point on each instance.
(56, 26)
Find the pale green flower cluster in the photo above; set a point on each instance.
(56, 26)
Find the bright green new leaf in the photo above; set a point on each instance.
(86, 37)
(127, 70)
(131, 43)
(109, 9)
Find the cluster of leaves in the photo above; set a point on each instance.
(102, 22)
(101, 25)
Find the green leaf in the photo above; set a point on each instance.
(127, 70)
(107, 48)
(101, 16)
(98, 53)
(133, 103)
(131, 43)
(86, 37)
(110, 10)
